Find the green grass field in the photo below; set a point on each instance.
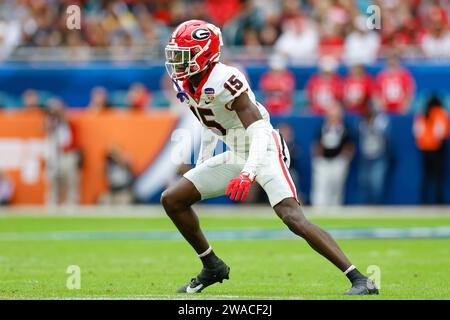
(141, 257)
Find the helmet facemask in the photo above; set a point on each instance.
(181, 62)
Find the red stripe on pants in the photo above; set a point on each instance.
(283, 167)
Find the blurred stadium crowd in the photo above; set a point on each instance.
(302, 30)
(281, 33)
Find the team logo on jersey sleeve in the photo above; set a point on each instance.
(209, 93)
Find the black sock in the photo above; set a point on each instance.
(210, 260)
(355, 275)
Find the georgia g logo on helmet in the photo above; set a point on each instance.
(201, 34)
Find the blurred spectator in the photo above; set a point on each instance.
(324, 88)
(357, 90)
(332, 13)
(96, 35)
(10, 37)
(222, 11)
(433, 11)
(332, 154)
(374, 161)
(63, 158)
(331, 41)
(272, 14)
(150, 30)
(120, 178)
(252, 46)
(394, 88)
(436, 40)
(138, 97)
(400, 26)
(78, 49)
(278, 85)
(99, 100)
(245, 26)
(31, 102)
(6, 188)
(362, 44)
(430, 130)
(299, 41)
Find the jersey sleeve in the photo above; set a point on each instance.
(232, 85)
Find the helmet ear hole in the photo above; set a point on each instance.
(207, 55)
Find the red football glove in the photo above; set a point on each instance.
(238, 188)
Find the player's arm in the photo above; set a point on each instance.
(259, 135)
(257, 131)
(247, 112)
(207, 145)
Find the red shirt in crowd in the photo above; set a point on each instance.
(322, 91)
(332, 45)
(278, 87)
(436, 13)
(394, 89)
(356, 93)
(222, 11)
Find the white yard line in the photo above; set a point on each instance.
(243, 211)
(231, 234)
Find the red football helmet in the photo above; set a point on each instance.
(193, 46)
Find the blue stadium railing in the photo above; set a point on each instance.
(73, 82)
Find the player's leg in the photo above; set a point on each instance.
(289, 210)
(291, 214)
(278, 184)
(177, 201)
(207, 180)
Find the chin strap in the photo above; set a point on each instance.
(181, 95)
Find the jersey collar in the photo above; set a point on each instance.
(198, 91)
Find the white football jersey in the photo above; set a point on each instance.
(211, 104)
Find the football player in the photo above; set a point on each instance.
(222, 100)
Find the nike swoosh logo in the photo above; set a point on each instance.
(195, 289)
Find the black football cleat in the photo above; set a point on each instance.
(363, 286)
(206, 278)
